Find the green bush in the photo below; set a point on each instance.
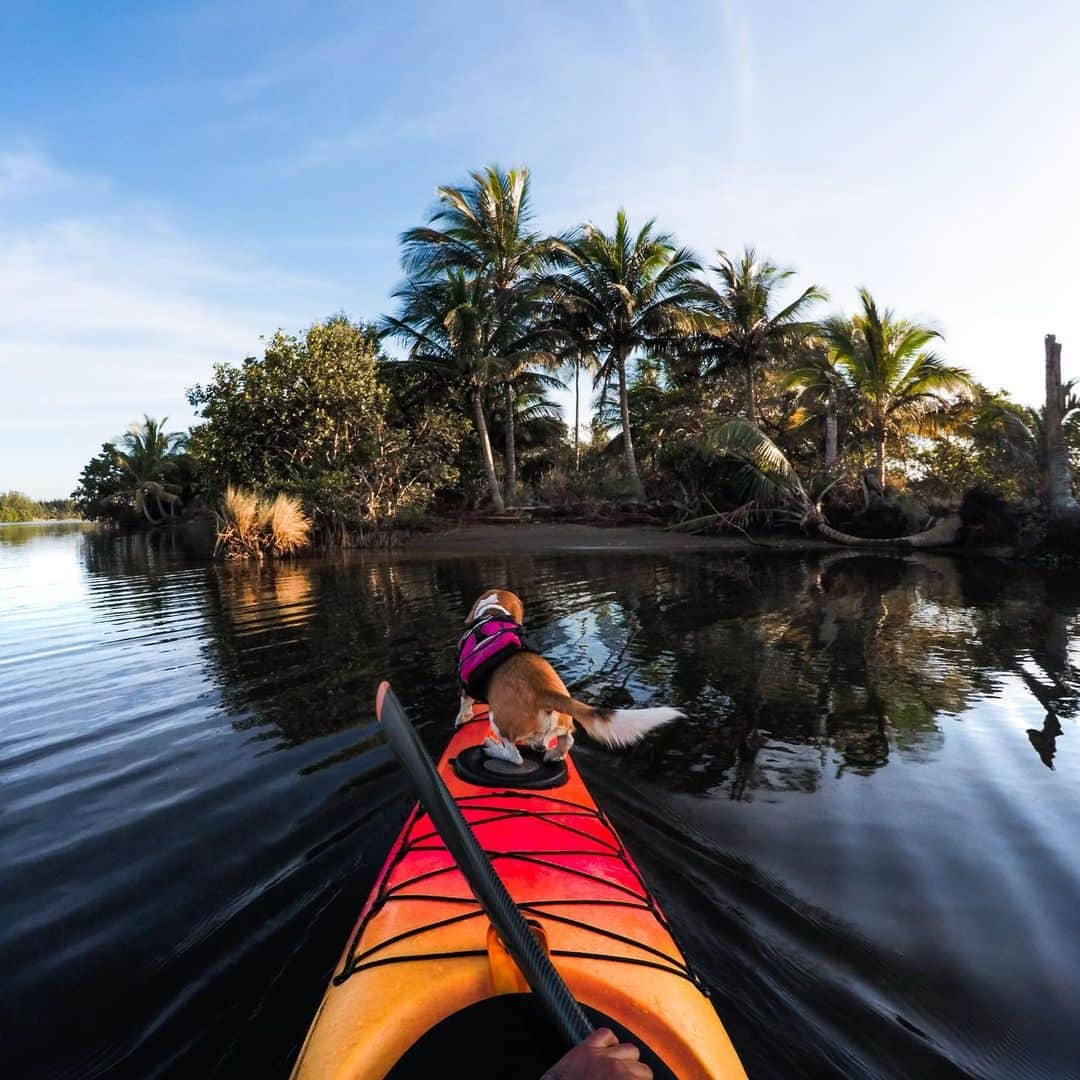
(312, 417)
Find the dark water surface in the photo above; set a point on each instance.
(867, 830)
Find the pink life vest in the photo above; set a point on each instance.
(488, 642)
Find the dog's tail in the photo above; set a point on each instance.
(612, 727)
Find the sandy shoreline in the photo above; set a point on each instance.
(468, 539)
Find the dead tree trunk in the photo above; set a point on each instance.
(1061, 506)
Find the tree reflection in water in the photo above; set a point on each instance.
(789, 668)
(858, 657)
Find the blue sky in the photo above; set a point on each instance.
(178, 179)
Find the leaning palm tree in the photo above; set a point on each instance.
(446, 324)
(901, 386)
(626, 293)
(748, 332)
(774, 487)
(146, 460)
(484, 229)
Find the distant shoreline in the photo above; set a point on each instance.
(465, 538)
(50, 521)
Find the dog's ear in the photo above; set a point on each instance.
(515, 608)
(484, 600)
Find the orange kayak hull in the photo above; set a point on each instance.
(422, 950)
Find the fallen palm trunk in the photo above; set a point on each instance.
(778, 491)
(940, 534)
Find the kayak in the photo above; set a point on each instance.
(425, 986)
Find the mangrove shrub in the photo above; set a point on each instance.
(312, 418)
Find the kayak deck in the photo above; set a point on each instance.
(423, 949)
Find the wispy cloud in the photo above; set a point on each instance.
(376, 134)
(29, 173)
(241, 89)
(115, 312)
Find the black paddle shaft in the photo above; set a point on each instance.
(471, 858)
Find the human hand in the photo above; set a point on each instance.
(600, 1057)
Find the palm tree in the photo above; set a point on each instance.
(625, 292)
(577, 352)
(746, 331)
(770, 480)
(900, 385)
(446, 322)
(147, 458)
(1020, 431)
(527, 341)
(538, 419)
(579, 359)
(818, 380)
(483, 228)
(655, 415)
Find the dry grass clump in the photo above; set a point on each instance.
(251, 527)
(238, 524)
(285, 525)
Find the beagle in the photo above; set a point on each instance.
(527, 701)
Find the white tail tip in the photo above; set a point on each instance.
(623, 727)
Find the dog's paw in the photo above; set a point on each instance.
(501, 749)
(560, 749)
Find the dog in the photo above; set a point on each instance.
(528, 705)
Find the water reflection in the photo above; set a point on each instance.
(1045, 740)
(18, 534)
(119, 554)
(300, 648)
(841, 662)
(789, 669)
(197, 797)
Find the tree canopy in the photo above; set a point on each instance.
(702, 377)
(16, 506)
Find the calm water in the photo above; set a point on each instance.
(867, 830)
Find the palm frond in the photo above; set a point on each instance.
(770, 478)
